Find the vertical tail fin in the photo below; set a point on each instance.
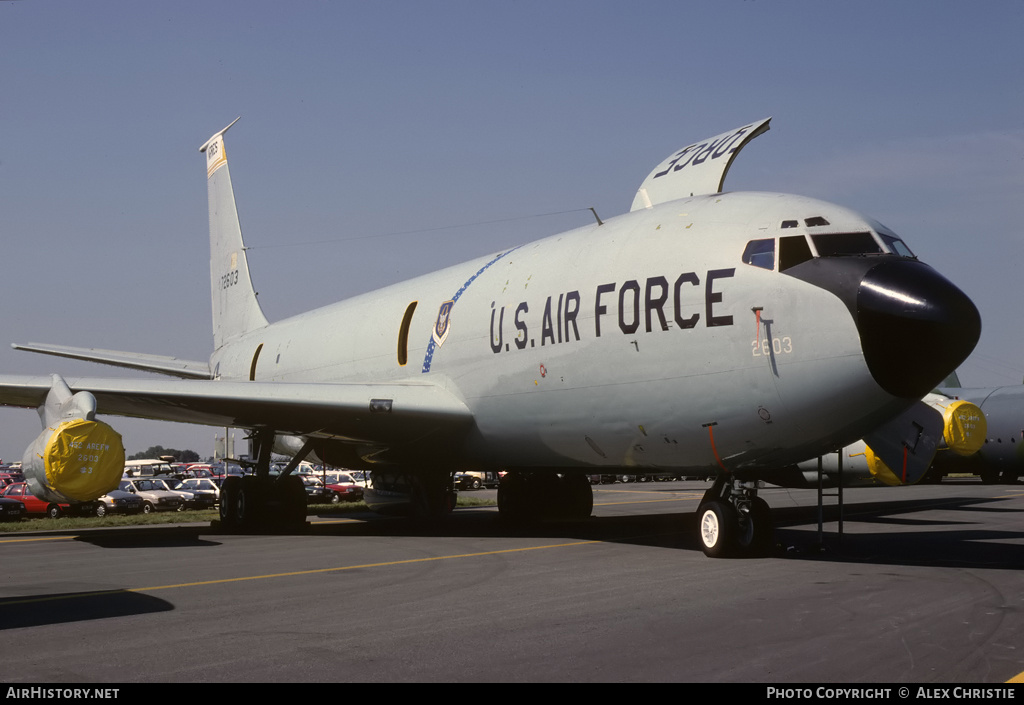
(953, 381)
(235, 308)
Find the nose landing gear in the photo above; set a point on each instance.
(733, 520)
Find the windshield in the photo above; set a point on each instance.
(846, 244)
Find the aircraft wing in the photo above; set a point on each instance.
(162, 364)
(380, 414)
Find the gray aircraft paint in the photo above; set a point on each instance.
(702, 362)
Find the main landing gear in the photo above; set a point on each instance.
(432, 494)
(530, 495)
(260, 502)
(733, 520)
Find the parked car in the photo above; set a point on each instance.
(474, 480)
(465, 481)
(344, 488)
(199, 484)
(33, 505)
(155, 498)
(117, 502)
(146, 468)
(192, 499)
(11, 509)
(9, 478)
(316, 491)
(200, 470)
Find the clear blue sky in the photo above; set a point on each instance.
(368, 118)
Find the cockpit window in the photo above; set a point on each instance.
(896, 246)
(846, 244)
(793, 249)
(760, 253)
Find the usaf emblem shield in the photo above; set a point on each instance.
(443, 324)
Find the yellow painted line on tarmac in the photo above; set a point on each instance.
(40, 538)
(683, 492)
(650, 501)
(408, 561)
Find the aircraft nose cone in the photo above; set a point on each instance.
(915, 326)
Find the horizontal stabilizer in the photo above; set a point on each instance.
(162, 364)
(697, 169)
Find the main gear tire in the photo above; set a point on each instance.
(717, 529)
(756, 534)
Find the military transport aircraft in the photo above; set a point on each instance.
(982, 433)
(1000, 455)
(725, 333)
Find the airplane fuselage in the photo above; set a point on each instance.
(712, 359)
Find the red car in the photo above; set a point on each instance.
(343, 489)
(19, 491)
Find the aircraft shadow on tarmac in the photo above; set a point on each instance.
(17, 612)
(165, 537)
(969, 540)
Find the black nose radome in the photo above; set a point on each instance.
(915, 326)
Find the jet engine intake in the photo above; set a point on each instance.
(963, 425)
(75, 458)
(78, 461)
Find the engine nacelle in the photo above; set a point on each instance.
(77, 461)
(963, 424)
(75, 458)
(292, 446)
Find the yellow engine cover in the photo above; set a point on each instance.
(964, 427)
(84, 459)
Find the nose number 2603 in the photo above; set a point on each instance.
(766, 346)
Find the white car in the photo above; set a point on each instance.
(154, 494)
(199, 484)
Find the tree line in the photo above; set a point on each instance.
(180, 456)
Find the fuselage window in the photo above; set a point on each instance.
(846, 244)
(793, 249)
(760, 253)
